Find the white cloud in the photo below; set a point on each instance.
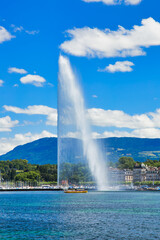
(17, 70)
(147, 133)
(108, 2)
(119, 119)
(139, 133)
(133, 2)
(7, 144)
(115, 133)
(115, 2)
(20, 29)
(1, 83)
(5, 35)
(50, 84)
(142, 125)
(35, 109)
(33, 32)
(35, 80)
(124, 66)
(94, 96)
(51, 113)
(98, 117)
(17, 29)
(92, 42)
(72, 135)
(52, 118)
(6, 124)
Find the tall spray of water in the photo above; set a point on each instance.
(73, 124)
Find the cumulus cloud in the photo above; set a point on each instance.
(51, 113)
(98, 117)
(142, 125)
(93, 42)
(124, 66)
(4, 35)
(139, 133)
(115, 2)
(6, 124)
(17, 70)
(120, 119)
(35, 80)
(1, 83)
(7, 144)
(35, 109)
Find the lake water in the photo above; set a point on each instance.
(96, 215)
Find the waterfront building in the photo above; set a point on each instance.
(118, 176)
(159, 174)
(128, 175)
(152, 174)
(139, 173)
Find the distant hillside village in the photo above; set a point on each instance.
(128, 171)
(140, 174)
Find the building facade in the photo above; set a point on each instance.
(139, 173)
(128, 175)
(118, 176)
(152, 174)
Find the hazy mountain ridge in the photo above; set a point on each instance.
(41, 151)
(44, 150)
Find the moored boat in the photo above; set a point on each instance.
(75, 191)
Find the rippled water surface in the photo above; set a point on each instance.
(96, 215)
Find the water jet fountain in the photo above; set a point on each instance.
(77, 151)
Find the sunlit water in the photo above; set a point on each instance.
(96, 215)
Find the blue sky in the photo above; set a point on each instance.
(118, 69)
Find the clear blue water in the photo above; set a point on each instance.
(56, 215)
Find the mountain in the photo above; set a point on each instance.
(138, 148)
(44, 150)
(41, 151)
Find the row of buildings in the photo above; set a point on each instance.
(140, 173)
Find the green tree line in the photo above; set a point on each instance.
(21, 170)
(129, 163)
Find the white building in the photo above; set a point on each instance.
(139, 173)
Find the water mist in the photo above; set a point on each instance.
(73, 123)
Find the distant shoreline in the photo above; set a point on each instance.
(29, 190)
(58, 190)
